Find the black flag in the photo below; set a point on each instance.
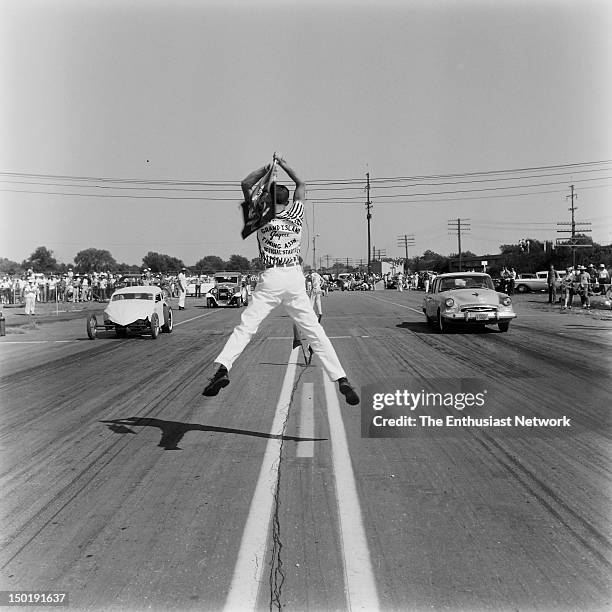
(261, 208)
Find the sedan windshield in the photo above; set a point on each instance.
(466, 282)
(226, 279)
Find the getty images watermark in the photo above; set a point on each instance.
(410, 406)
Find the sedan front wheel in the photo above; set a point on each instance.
(442, 325)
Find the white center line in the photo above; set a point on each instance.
(251, 560)
(358, 575)
(306, 447)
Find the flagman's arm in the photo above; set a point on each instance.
(300, 186)
(249, 182)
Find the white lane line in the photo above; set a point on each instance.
(306, 447)
(251, 560)
(35, 341)
(206, 314)
(395, 304)
(358, 575)
(330, 337)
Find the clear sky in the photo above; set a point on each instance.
(169, 104)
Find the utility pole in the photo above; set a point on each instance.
(314, 251)
(457, 225)
(314, 246)
(573, 242)
(368, 217)
(406, 240)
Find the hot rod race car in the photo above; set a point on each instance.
(229, 290)
(139, 309)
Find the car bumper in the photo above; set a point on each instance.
(478, 317)
(224, 302)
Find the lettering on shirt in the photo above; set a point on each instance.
(280, 240)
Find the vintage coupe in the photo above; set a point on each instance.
(229, 290)
(468, 298)
(137, 309)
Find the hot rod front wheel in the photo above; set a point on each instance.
(92, 327)
(154, 326)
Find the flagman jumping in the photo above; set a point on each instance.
(279, 236)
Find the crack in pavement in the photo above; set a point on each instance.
(277, 576)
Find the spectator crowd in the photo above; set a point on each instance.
(75, 287)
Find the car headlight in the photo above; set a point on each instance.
(505, 301)
(449, 302)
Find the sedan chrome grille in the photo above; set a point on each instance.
(479, 308)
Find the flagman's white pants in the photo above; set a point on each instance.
(282, 286)
(182, 296)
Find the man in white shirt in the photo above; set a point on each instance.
(182, 288)
(316, 291)
(282, 282)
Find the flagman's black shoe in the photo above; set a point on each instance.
(350, 395)
(217, 382)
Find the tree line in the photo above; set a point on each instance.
(529, 255)
(101, 260)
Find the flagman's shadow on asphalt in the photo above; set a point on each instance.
(172, 432)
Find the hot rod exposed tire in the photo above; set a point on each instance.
(503, 325)
(92, 324)
(168, 320)
(154, 326)
(120, 331)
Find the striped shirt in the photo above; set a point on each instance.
(280, 240)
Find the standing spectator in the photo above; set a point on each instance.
(567, 286)
(505, 276)
(85, 289)
(603, 278)
(552, 278)
(198, 286)
(53, 288)
(110, 283)
(103, 286)
(511, 281)
(584, 279)
(182, 288)
(316, 290)
(30, 291)
(592, 274)
(400, 281)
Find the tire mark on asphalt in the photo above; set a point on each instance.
(35, 524)
(591, 538)
(70, 361)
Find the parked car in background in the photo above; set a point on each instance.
(137, 309)
(469, 298)
(528, 282)
(229, 290)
